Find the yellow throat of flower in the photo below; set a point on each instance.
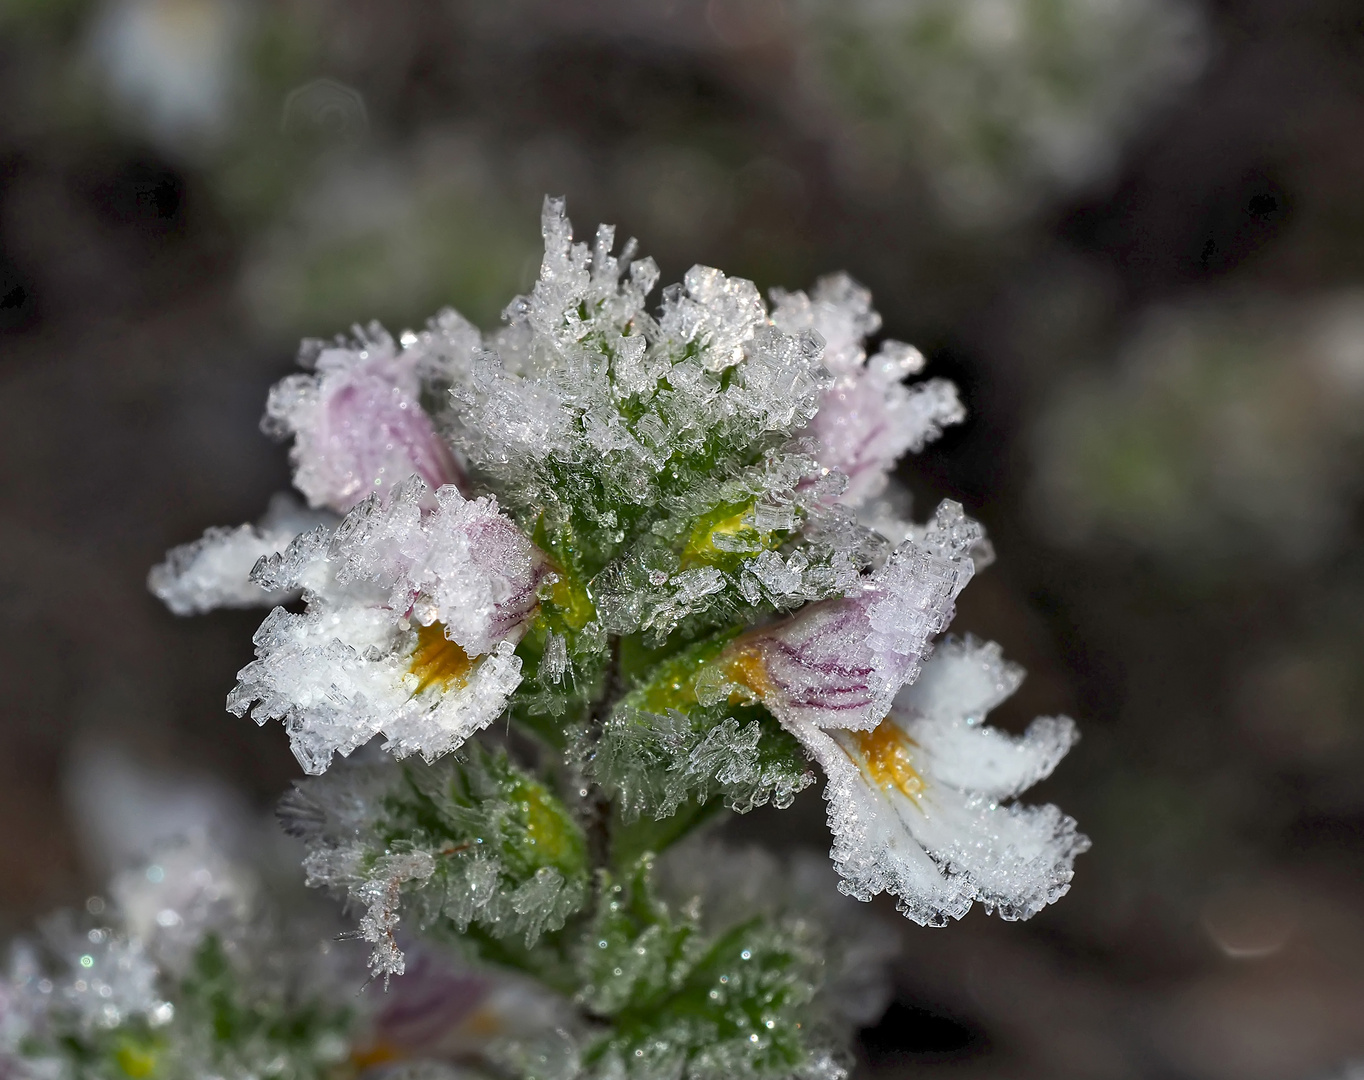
(438, 661)
(744, 666)
(886, 758)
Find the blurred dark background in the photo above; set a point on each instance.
(1132, 231)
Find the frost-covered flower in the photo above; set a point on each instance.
(914, 782)
(917, 806)
(868, 418)
(410, 629)
(358, 424)
(839, 663)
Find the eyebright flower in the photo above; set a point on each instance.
(411, 623)
(839, 663)
(918, 805)
(358, 424)
(914, 783)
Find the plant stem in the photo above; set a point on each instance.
(599, 809)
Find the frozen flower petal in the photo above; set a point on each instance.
(840, 311)
(914, 806)
(481, 572)
(465, 565)
(338, 678)
(215, 570)
(943, 711)
(839, 663)
(358, 424)
(410, 629)
(865, 424)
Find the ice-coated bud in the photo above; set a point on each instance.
(358, 424)
(868, 418)
(839, 663)
(916, 804)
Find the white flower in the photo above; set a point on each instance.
(410, 629)
(917, 806)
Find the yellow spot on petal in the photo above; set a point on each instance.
(744, 666)
(438, 661)
(887, 759)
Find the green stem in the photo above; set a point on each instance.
(600, 811)
(647, 835)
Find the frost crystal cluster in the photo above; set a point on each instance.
(565, 593)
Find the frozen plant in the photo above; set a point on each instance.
(1225, 431)
(599, 576)
(998, 106)
(182, 970)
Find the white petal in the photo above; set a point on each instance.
(434, 732)
(215, 570)
(874, 850)
(336, 678)
(899, 827)
(1014, 859)
(962, 680)
(983, 759)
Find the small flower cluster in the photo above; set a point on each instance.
(663, 546)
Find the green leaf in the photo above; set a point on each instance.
(685, 1002)
(661, 747)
